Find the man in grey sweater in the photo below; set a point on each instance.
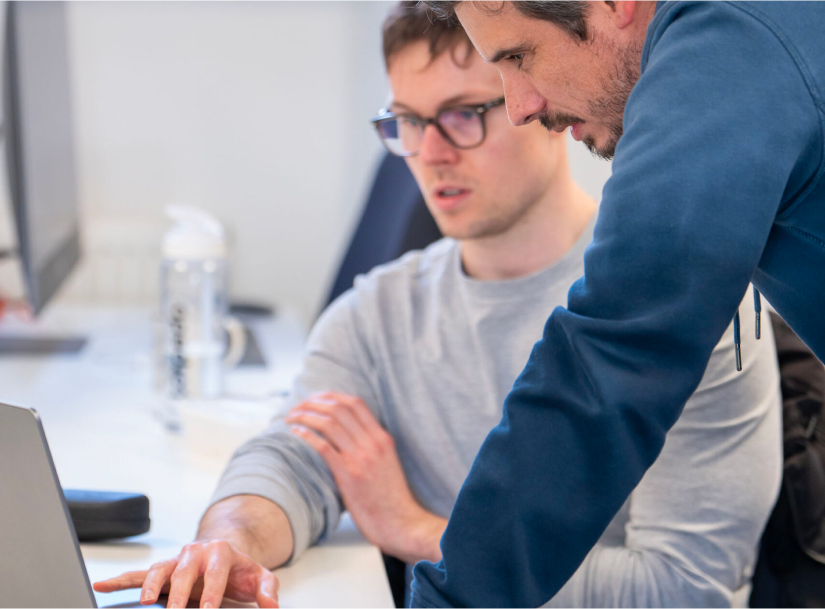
(405, 374)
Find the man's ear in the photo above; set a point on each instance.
(621, 13)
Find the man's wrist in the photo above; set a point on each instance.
(432, 528)
(421, 537)
(252, 525)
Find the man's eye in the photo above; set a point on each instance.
(519, 57)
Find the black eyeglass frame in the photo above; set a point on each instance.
(481, 109)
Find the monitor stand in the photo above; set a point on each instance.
(40, 345)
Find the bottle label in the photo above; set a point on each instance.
(177, 360)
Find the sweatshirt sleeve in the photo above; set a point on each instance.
(283, 468)
(717, 133)
(696, 517)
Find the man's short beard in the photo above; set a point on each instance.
(611, 109)
(608, 109)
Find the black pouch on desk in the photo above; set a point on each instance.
(99, 515)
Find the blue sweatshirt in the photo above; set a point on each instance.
(717, 182)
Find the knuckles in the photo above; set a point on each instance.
(385, 442)
(325, 449)
(219, 546)
(356, 473)
(192, 547)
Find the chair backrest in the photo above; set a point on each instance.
(791, 567)
(395, 220)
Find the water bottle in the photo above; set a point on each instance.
(199, 339)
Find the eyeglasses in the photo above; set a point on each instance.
(462, 126)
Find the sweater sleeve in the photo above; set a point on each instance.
(716, 137)
(283, 468)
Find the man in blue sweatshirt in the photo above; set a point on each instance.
(715, 113)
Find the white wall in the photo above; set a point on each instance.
(256, 111)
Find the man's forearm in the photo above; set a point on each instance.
(253, 525)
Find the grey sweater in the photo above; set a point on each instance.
(433, 353)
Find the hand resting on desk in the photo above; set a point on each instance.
(236, 539)
(243, 536)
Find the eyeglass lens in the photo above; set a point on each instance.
(403, 135)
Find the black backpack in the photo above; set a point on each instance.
(791, 568)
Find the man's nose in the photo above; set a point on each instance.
(524, 103)
(435, 150)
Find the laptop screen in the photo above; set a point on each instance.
(40, 562)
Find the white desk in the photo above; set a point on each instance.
(97, 410)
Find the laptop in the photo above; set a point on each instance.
(40, 560)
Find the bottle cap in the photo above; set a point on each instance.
(196, 234)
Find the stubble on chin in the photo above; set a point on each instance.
(609, 108)
(493, 223)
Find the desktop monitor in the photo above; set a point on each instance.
(39, 145)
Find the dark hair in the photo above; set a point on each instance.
(569, 15)
(411, 21)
